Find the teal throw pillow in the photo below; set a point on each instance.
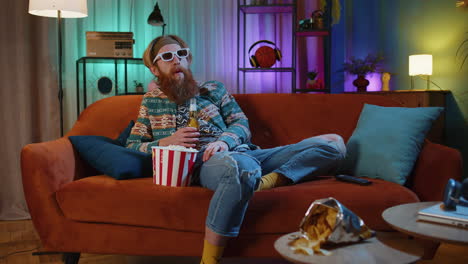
(109, 157)
(387, 141)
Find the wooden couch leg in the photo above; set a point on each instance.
(71, 258)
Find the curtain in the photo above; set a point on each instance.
(30, 110)
(28, 96)
(208, 26)
(210, 33)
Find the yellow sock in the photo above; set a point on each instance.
(272, 180)
(211, 253)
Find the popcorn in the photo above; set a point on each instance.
(181, 148)
(173, 165)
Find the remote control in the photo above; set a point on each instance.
(352, 179)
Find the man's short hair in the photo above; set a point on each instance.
(154, 46)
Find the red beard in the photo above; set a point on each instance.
(178, 90)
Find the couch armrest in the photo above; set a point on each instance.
(45, 168)
(436, 164)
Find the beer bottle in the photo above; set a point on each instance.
(193, 114)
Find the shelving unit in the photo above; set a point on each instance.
(325, 35)
(265, 9)
(243, 10)
(83, 61)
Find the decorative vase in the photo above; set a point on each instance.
(317, 18)
(139, 89)
(361, 83)
(310, 84)
(386, 81)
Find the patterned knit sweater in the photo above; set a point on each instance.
(157, 118)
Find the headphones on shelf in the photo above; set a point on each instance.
(455, 193)
(264, 56)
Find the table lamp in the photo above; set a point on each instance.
(59, 9)
(420, 65)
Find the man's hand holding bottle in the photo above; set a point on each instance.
(186, 136)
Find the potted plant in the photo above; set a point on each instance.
(312, 82)
(316, 20)
(462, 51)
(462, 3)
(138, 86)
(335, 10)
(362, 67)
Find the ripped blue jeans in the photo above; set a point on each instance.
(234, 176)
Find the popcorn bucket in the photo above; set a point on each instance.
(173, 165)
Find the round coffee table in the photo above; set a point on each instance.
(403, 218)
(368, 251)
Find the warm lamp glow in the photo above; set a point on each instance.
(420, 65)
(68, 8)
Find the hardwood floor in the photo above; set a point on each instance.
(18, 240)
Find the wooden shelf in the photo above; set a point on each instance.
(312, 90)
(297, 69)
(110, 60)
(312, 33)
(267, 9)
(130, 93)
(267, 69)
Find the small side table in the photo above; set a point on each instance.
(403, 218)
(370, 251)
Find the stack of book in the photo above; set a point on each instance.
(437, 214)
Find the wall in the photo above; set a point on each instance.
(401, 28)
(396, 28)
(208, 31)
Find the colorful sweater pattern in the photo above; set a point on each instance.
(157, 117)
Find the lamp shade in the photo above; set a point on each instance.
(68, 8)
(420, 64)
(156, 18)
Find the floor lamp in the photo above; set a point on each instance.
(59, 9)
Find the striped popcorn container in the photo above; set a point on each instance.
(173, 165)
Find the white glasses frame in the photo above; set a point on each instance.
(174, 53)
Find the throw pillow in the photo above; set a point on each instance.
(109, 157)
(122, 138)
(387, 141)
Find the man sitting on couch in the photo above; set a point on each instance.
(228, 163)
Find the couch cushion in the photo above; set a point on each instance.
(139, 202)
(391, 137)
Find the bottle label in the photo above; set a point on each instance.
(193, 105)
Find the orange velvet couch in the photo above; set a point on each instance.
(74, 211)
